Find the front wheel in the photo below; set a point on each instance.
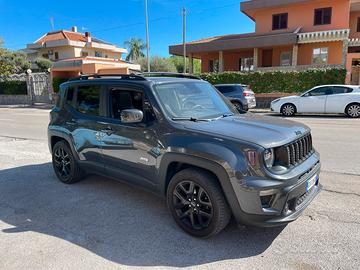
(288, 110)
(353, 110)
(197, 204)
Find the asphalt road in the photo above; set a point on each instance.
(103, 224)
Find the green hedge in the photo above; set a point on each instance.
(280, 81)
(56, 83)
(13, 88)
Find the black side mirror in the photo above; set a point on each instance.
(131, 116)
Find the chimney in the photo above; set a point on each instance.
(88, 36)
(74, 29)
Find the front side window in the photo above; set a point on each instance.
(280, 21)
(320, 56)
(321, 91)
(285, 58)
(88, 100)
(246, 64)
(322, 16)
(198, 100)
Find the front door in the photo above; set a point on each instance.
(314, 101)
(130, 151)
(267, 58)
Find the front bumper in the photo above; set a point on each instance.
(275, 202)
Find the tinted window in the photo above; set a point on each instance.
(226, 89)
(321, 91)
(358, 25)
(88, 99)
(341, 90)
(322, 16)
(280, 21)
(70, 96)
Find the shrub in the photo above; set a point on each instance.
(13, 88)
(43, 63)
(56, 83)
(280, 81)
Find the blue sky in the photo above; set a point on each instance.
(23, 22)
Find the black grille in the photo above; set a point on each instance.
(294, 152)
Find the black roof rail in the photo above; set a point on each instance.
(170, 74)
(118, 76)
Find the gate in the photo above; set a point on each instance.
(40, 84)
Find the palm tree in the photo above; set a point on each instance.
(136, 47)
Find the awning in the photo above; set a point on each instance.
(236, 42)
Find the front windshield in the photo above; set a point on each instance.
(196, 100)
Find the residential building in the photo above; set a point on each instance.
(75, 53)
(289, 35)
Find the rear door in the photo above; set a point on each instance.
(130, 151)
(314, 101)
(86, 111)
(340, 97)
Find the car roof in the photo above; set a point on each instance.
(161, 80)
(340, 85)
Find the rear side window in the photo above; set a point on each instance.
(225, 89)
(88, 100)
(341, 90)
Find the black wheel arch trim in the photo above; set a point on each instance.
(66, 137)
(207, 165)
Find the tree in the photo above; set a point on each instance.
(157, 64)
(136, 47)
(13, 62)
(1, 42)
(178, 61)
(43, 63)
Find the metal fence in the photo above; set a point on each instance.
(39, 89)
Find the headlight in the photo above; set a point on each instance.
(275, 101)
(269, 158)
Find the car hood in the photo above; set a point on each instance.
(289, 98)
(265, 131)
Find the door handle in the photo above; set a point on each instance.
(108, 131)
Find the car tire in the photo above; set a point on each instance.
(197, 203)
(353, 110)
(239, 107)
(288, 110)
(65, 166)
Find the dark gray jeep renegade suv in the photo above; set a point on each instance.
(178, 137)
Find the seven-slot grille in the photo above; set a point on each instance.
(294, 152)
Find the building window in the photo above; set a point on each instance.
(320, 56)
(84, 54)
(285, 58)
(98, 54)
(280, 21)
(45, 55)
(56, 55)
(246, 64)
(358, 24)
(322, 16)
(214, 65)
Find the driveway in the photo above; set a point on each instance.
(104, 224)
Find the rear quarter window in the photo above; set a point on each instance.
(226, 89)
(88, 100)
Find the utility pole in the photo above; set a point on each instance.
(184, 36)
(147, 35)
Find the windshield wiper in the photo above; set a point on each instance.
(192, 119)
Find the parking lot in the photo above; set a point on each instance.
(103, 224)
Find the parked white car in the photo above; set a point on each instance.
(322, 99)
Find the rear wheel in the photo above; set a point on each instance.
(238, 106)
(353, 110)
(288, 110)
(65, 166)
(197, 203)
